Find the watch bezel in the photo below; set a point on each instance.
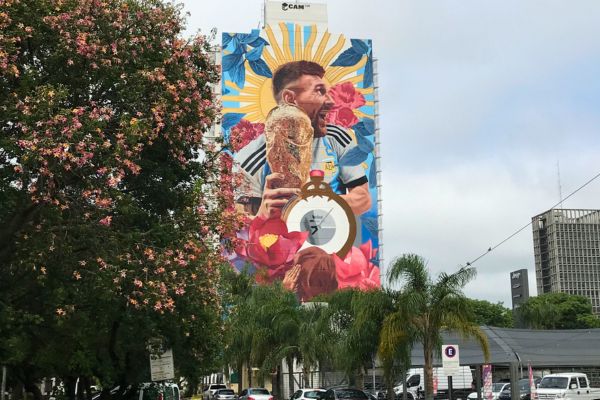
(322, 189)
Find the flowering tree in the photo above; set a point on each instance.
(108, 224)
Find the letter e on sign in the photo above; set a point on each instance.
(450, 359)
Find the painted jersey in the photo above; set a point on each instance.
(251, 162)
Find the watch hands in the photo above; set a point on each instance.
(325, 217)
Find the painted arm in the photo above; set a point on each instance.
(358, 198)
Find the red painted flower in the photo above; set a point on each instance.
(245, 132)
(356, 270)
(270, 244)
(346, 99)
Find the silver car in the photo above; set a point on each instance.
(225, 394)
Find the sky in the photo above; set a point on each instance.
(489, 111)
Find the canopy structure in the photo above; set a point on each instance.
(540, 348)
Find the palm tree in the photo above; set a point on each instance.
(424, 309)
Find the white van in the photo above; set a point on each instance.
(415, 381)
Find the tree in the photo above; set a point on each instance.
(558, 311)
(110, 219)
(349, 327)
(492, 314)
(425, 308)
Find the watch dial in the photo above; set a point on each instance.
(324, 219)
(320, 226)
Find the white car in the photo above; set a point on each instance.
(497, 388)
(211, 389)
(307, 394)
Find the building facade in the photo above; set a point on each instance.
(567, 253)
(519, 290)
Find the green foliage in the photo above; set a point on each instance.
(107, 224)
(424, 308)
(491, 314)
(558, 311)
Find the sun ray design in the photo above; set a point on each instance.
(297, 43)
(287, 43)
(309, 43)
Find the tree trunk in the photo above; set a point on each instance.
(428, 370)
(290, 363)
(69, 387)
(389, 384)
(240, 371)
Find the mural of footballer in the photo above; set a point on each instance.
(264, 193)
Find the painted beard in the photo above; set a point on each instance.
(319, 122)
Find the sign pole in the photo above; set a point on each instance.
(449, 387)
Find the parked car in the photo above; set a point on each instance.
(210, 390)
(567, 386)
(156, 391)
(524, 390)
(307, 394)
(497, 388)
(255, 394)
(225, 394)
(345, 394)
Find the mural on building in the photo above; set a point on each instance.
(298, 118)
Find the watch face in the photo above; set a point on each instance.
(328, 224)
(320, 226)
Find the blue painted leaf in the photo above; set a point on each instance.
(366, 127)
(248, 38)
(226, 38)
(238, 74)
(225, 91)
(373, 175)
(230, 61)
(353, 157)
(348, 58)
(231, 119)
(375, 260)
(260, 68)
(368, 74)
(258, 41)
(360, 46)
(255, 53)
(364, 143)
(372, 226)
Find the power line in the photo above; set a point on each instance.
(490, 249)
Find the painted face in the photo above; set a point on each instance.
(311, 95)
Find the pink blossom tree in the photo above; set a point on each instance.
(109, 217)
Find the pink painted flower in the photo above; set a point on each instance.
(106, 220)
(346, 99)
(245, 132)
(270, 244)
(357, 270)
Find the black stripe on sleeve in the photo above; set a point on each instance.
(258, 165)
(345, 136)
(253, 157)
(357, 182)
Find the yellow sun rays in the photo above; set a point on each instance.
(256, 98)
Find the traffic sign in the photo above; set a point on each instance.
(161, 366)
(450, 359)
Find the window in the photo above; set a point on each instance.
(582, 382)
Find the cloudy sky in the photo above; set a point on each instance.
(480, 102)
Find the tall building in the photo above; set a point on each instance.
(567, 253)
(519, 289)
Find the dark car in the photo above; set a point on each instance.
(344, 394)
(524, 390)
